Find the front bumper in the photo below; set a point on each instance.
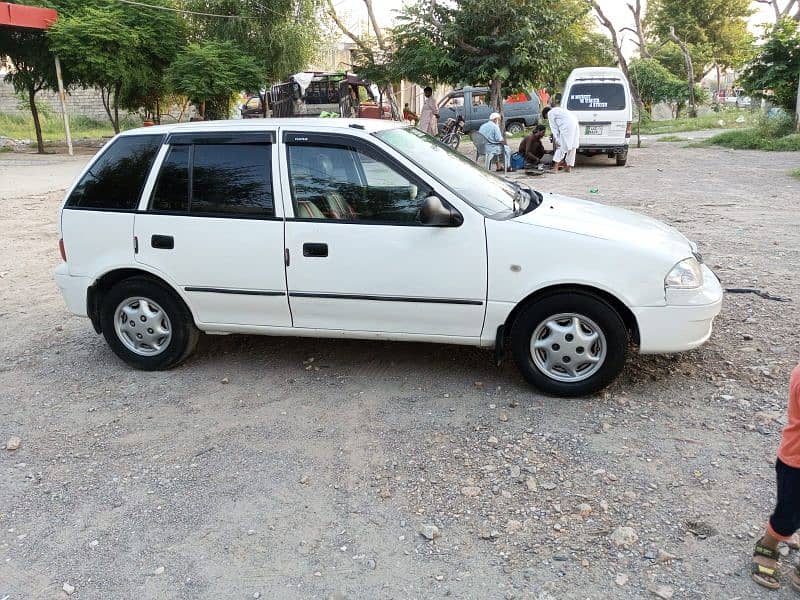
(73, 289)
(685, 322)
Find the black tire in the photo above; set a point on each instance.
(515, 127)
(622, 159)
(184, 333)
(452, 140)
(586, 306)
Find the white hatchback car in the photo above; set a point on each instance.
(366, 229)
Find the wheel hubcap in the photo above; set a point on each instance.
(142, 326)
(568, 347)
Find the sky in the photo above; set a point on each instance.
(616, 10)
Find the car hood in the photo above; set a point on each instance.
(583, 217)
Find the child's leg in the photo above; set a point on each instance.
(783, 523)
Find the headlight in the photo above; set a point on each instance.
(685, 275)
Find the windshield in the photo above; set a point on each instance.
(488, 194)
(596, 96)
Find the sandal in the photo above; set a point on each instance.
(763, 575)
(794, 543)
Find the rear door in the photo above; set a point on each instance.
(214, 226)
(603, 110)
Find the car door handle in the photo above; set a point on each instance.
(315, 250)
(164, 242)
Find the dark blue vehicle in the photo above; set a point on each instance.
(520, 110)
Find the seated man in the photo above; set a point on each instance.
(409, 115)
(495, 141)
(532, 149)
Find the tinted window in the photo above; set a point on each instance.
(226, 179)
(116, 179)
(596, 96)
(344, 183)
(232, 178)
(172, 187)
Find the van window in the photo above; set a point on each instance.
(116, 179)
(596, 96)
(226, 179)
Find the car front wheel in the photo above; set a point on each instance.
(147, 325)
(569, 344)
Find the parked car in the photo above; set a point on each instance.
(311, 94)
(472, 103)
(253, 108)
(600, 97)
(366, 229)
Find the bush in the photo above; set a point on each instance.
(776, 125)
(753, 139)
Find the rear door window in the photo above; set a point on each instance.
(211, 179)
(596, 96)
(116, 179)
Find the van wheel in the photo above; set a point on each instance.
(622, 159)
(515, 127)
(569, 344)
(147, 325)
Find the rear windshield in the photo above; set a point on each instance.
(596, 96)
(116, 179)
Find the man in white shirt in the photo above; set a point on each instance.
(429, 115)
(495, 141)
(567, 136)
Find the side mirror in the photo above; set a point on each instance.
(436, 212)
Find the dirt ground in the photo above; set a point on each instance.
(298, 468)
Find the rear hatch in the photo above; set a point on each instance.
(603, 111)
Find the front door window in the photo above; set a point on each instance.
(345, 183)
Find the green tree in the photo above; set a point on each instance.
(210, 72)
(505, 45)
(115, 47)
(279, 35)
(775, 70)
(32, 68)
(715, 32)
(584, 46)
(655, 82)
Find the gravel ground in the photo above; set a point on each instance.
(298, 468)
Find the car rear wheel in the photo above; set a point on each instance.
(569, 344)
(515, 127)
(622, 159)
(147, 325)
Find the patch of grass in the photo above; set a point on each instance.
(770, 133)
(21, 127)
(725, 119)
(673, 138)
(795, 173)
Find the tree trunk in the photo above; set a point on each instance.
(496, 99)
(623, 63)
(105, 96)
(203, 110)
(797, 108)
(36, 124)
(397, 114)
(116, 107)
(719, 81)
(689, 70)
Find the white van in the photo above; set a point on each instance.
(601, 99)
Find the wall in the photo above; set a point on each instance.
(79, 102)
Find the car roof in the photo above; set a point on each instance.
(596, 73)
(368, 125)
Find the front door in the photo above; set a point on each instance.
(212, 227)
(360, 260)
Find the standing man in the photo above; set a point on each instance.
(429, 115)
(566, 136)
(495, 141)
(532, 149)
